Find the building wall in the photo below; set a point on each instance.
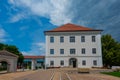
(78, 45)
(89, 61)
(30, 63)
(11, 63)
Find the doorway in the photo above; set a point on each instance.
(4, 66)
(73, 62)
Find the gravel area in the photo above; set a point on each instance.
(92, 77)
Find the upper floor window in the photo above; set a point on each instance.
(72, 38)
(93, 38)
(61, 51)
(51, 63)
(61, 39)
(72, 51)
(83, 62)
(82, 38)
(51, 51)
(83, 50)
(94, 50)
(51, 39)
(62, 62)
(94, 62)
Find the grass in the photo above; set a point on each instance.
(117, 74)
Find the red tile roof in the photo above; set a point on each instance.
(34, 57)
(71, 28)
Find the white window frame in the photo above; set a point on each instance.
(52, 51)
(83, 51)
(93, 38)
(95, 62)
(73, 51)
(82, 38)
(62, 62)
(51, 39)
(61, 39)
(61, 51)
(94, 50)
(72, 39)
(84, 62)
(51, 63)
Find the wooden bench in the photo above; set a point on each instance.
(83, 70)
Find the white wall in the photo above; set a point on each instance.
(66, 45)
(11, 61)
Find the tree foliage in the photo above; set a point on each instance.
(110, 51)
(13, 49)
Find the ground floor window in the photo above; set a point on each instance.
(95, 62)
(83, 62)
(51, 63)
(62, 62)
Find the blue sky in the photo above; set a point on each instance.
(22, 22)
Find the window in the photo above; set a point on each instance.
(82, 38)
(72, 51)
(51, 63)
(51, 39)
(51, 51)
(94, 62)
(61, 51)
(72, 38)
(83, 62)
(93, 39)
(83, 50)
(62, 62)
(94, 50)
(61, 39)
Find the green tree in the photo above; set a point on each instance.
(13, 49)
(1, 46)
(117, 55)
(110, 50)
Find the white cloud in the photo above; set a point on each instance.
(17, 17)
(91, 13)
(55, 10)
(2, 35)
(36, 49)
(41, 46)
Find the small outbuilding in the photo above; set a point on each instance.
(10, 59)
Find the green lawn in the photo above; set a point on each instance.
(117, 74)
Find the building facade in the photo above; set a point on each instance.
(71, 45)
(34, 62)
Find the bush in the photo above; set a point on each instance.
(117, 70)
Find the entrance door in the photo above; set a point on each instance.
(73, 62)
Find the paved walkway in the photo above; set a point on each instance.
(46, 74)
(38, 75)
(12, 76)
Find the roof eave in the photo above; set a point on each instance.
(72, 31)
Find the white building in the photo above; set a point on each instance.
(73, 46)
